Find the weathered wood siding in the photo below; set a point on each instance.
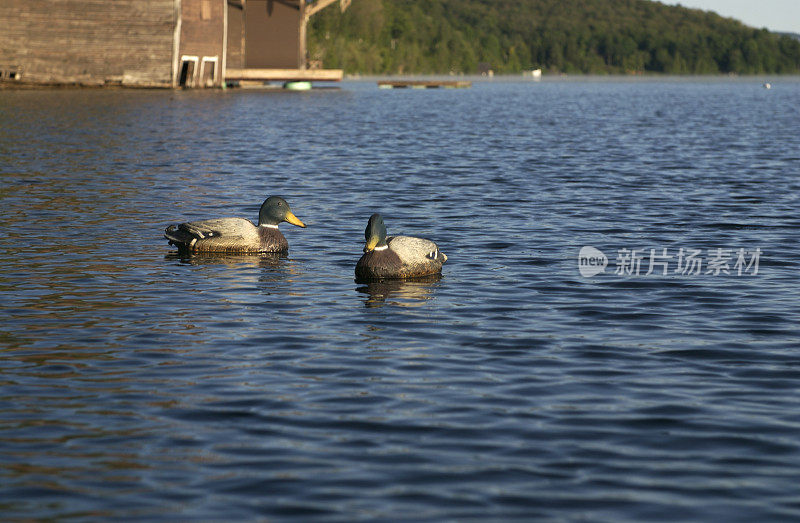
(89, 41)
(202, 29)
(203, 36)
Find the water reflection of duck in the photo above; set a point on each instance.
(236, 235)
(406, 293)
(270, 272)
(396, 257)
(264, 260)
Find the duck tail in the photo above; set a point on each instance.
(177, 236)
(437, 255)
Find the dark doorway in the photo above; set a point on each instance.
(187, 73)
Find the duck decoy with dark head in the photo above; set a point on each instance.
(236, 235)
(396, 257)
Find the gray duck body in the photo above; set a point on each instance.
(236, 235)
(231, 235)
(403, 257)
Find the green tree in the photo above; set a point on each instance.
(586, 36)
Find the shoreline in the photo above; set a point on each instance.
(499, 78)
(654, 77)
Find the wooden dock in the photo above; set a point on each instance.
(285, 75)
(424, 84)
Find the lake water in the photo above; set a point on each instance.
(136, 384)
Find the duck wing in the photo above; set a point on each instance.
(219, 234)
(416, 251)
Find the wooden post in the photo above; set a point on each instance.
(176, 44)
(224, 65)
(244, 32)
(306, 12)
(301, 48)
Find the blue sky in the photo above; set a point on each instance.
(775, 15)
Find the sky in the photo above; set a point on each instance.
(775, 15)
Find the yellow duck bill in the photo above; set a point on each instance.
(294, 220)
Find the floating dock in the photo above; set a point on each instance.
(284, 75)
(424, 84)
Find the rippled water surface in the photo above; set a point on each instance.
(134, 383)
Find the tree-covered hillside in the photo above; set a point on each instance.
(573, 36)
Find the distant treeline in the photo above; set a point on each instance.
(571, 36)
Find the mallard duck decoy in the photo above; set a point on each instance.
(396, 257)
(236, 235)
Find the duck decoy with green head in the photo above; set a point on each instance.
(236, 235)
(396, 257)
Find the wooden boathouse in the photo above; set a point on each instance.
(157, 43)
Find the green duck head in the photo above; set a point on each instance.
(275, 210)
(375, 233)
